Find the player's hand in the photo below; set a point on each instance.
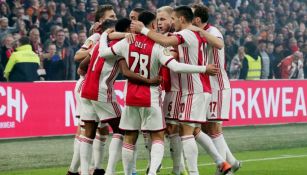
(156, 81)
(194, 28)
(130, 37)
(81, 72)
(212, 69)
(110, 30)
(197, 29)
(136, 26)
(97, 27)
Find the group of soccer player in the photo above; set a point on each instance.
(177, 44)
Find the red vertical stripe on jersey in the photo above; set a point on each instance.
(217, 62)
(218, 105)
(188, 106)
(116, 109)
(189, 76)
(165, 73)
(110, 81)
(177, 104)
(204, 78)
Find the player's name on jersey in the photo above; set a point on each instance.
(140, 45)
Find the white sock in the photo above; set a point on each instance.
(190, 153)
(86, 146)
(98, 150)
(205, 141)
(229, 157)
(176, 152)
(135, 156)
(222, 147)
(75, 162)
(127, 156)
(147, 143)
(219, 144)
(115, 153)
(182, 162)
(157, 152)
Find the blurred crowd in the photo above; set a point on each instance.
(274, 30)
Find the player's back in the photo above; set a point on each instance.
(217, 56)
(100, 77)
(142, 59)
(191, 52)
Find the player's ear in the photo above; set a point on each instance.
(181, 18)
(153, 25)
(197, 20)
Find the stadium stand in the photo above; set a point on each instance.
(277, 27)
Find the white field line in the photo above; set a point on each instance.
(248, 160)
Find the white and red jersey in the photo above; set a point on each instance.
(88, 45)
(171, 80)
(216, 56)
(191, 52)
(91, 41)
(144, 57)
(100, 77)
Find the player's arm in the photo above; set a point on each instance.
(110, 52)
(167, 59)
(82, 69)
(157, 37)
(84, 51)
(177, 67)
(81, 54)
(136, 78)
(213, 40)
(117, 35)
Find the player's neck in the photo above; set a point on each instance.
(202, 25)
(186, 25)
(150, 28)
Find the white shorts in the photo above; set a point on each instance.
(99, 111)
(142, 118)
(194, 108)
(77, 92)
(220, 105)
(171, 106)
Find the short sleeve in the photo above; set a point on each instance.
(185, 37)
(214, 31)
(120, 48)
(91, 41)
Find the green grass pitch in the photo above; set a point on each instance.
(264, 150)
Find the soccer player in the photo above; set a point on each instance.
(195, 87)
(221, 91)
(143, 104)
(99, 103)
(172, 96)
(75, 163)
(104, 12)
(134, 14)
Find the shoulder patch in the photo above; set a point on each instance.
(166, 52)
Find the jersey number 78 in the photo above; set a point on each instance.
(142, 61)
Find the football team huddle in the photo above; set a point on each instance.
(174, 50)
